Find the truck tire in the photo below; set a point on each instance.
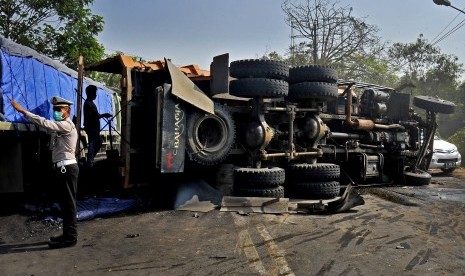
(314, 190)
(277, 192)
(312, 90)
(259, 87)
(259, 68)
(434, 104)
(448, 170)
(258, 178)
(418, 178)
(210, 136)
(312, 73)
(312, 172)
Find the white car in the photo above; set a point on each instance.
(445, 156)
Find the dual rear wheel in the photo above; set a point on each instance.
(304, 181)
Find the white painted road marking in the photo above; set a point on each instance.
(279, 265)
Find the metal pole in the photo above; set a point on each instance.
(447, 4)
(79, 104)
(457, 9)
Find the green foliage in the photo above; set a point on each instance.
(110, 80)
(431, 73)
(458, 139)
(274, 56)
(59, 29)
(415, 58)
(300, 55)
(369, 69)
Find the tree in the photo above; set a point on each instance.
(330, 32)
(434, 74)
(368, 68)
(414, 59)
(59, 29)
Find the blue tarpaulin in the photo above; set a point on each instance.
(91, 208)
(101, 207)
(33, 79)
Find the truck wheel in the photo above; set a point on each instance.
(259, 87)
(259, 68)
(434, 104)
(314, 190)
(258, 178)
(312, 172)
(277, 192)
(448, 170)
(210, 136)
(316, 73)
(312, 90)
(418, 178)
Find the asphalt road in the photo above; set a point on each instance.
(398, 231)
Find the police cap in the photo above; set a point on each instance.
(59, 101)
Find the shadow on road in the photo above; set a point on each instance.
(23, 247)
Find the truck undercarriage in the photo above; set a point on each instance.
(298, 132)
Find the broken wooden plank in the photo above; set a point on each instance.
(264, 205)
(199, 206)
(239, 201)
(305, 203)
(262, 210)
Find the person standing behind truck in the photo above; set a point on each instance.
(63, 142)
(92, 124)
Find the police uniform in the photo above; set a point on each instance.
(63, 143)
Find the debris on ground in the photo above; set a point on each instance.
(196, 196)
(266, 205)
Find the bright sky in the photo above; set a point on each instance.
(188, 31)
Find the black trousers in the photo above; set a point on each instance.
(67, 190)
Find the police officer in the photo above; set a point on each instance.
(63, 142)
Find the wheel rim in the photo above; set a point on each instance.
(210, 134)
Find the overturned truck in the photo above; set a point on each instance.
(298, 132)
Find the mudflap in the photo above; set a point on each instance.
(186, 90)
(173, 135)
(350, 199)
(347, 201)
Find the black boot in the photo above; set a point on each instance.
(56, 238)
(63, 242)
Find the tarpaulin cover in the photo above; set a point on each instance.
(33, 79)
(91, 208)
(100, 207)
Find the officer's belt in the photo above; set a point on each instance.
(63, 163)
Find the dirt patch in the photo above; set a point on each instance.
(459, 173)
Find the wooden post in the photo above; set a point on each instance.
(126, 96)
(79, 104)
